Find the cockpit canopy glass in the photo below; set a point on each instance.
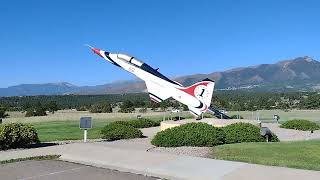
(124, 57)
(130, 59)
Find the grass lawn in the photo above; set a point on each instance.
(298, 154)
(73, 115)
(65, 130)
(267, 115)
(69, 130)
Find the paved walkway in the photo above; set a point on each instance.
(132, 156)
(159, 164)
(291, 134)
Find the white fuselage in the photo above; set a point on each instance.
(163, 87)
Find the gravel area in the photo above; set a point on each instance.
(187, 151)
(291, 134)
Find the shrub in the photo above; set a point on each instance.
(303, 125)
(81, 108)
(17, 135)
(274, 138)
(139, 123)
(244, 132)
(36, 112)
(191, 134)
(116, 131)
(3, 113)
(143, 123)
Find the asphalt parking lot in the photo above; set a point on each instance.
(55, 169)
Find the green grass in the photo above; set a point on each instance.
(69, 130)
(65, 130)
(298, 154)
(36, 158)
(267, 115)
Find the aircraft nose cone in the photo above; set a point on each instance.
(96, 51)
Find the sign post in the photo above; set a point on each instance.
(85, 132)
(85, 124)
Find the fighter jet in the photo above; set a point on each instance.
(197, 96)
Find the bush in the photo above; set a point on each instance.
(82, 108)
(139, 123)
(191, 134)
(32, 112)
(143, 123)
(17, 135)
(274, 138)
(116, 131)
(3, 113)
(36, 112)
(303, 125)
(244, 132)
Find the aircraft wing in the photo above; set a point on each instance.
(156, 92)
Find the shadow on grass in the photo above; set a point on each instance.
(31, 146)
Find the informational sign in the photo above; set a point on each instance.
(85, 123)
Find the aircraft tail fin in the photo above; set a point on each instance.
(202, 90)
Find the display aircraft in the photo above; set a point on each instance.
(197, 96)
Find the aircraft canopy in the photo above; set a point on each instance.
(130, 59)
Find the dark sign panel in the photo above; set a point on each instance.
(85, 122)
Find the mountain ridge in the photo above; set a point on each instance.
(299, 74)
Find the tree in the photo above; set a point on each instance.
(164, 105)
(52, 106)
(126, 107)
(26, 106)
(3, 113)
(37, 110)
(154, 106)
(101, 108)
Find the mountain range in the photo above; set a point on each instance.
(299, 74)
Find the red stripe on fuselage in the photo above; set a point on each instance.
(190, 89)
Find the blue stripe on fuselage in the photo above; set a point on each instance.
(154, 72)
(112, 61)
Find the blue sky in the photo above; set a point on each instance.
(42, 41)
